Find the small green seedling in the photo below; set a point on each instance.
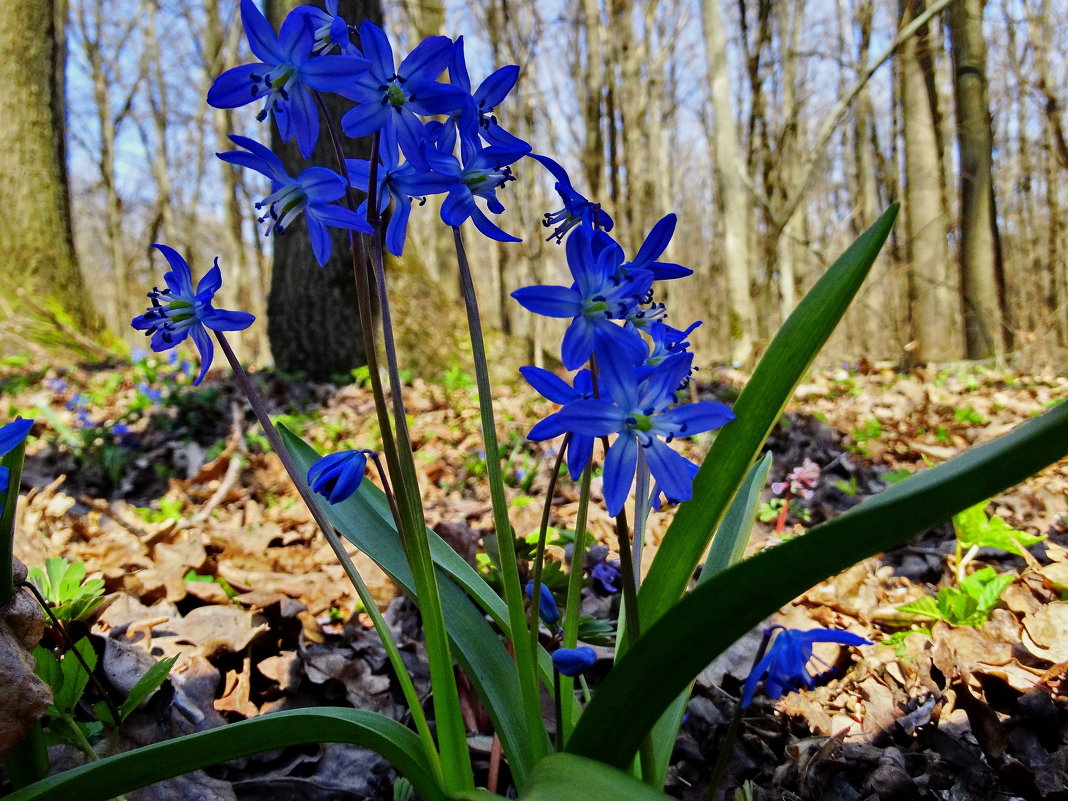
(970, 605)
(64, 585)
(975, 530)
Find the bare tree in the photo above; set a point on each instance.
(42, 279)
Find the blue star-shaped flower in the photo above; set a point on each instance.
(390, 97)
(577, 209)
(285, 75)
(785, 663)
(312, 192)
(637, 409)
(554, 388)
(180, 311)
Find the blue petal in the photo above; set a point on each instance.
(428, 60)
(549, 301)
(304, 119)
(296, 37)
(14, 433)
(412, 137)
(578, 342)
(458, 67)
(332, 73)
(573, 661)
(592, 416)
(549, 385)
(223, 320)
(549, 428)
(693, 418)
(234, 88)
(658, 389)
(671, 470)
(579, 453)
(397, 230)
(619, 465)
(262, 39)
(365, 119)
(457, 207)
(320, 239)
(259, 158)
(657, 240)
(617, 371)
(376, 48)
(359, 172)
(202, 340)
(210, 283)
(180, 280)
(435, 98)
(321, 185)
(488, 228)
(497, 86)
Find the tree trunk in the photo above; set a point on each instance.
(931, 291)
(735, 196)
(35, 227)
(982, 294)
(312, 318)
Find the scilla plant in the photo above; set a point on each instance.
(620, 411)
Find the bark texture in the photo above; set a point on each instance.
(40, 276)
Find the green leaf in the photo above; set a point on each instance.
(146, 685)
(728, 547)
(672, 651)
(73, 676)
(925, 607)
(103, 780)
(956, 607)
(975, 529)
(566, 777)
(364, 520)
(757, 409)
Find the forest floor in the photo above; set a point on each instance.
(169, 494)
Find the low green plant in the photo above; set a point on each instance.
(970, 604)
(70, 595)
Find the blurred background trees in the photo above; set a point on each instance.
(775, 130)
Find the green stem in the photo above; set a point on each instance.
(642, 507)
(573, 610)
(513, 592)
(300, 482)
(539, 554)
(27, 762)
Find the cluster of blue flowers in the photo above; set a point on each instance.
(640, 361)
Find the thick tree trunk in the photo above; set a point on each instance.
(312, 318)
(931, 292)
(35, 227)
(982, 293)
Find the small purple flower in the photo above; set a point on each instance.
(573, 661)
(285, 75)
(313, 192)
(785, 664)
(547, 609)
(801, 481)
(11, 436)
(149, 392)
(180, 311)
(337, 475)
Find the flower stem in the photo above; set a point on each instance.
(513, 594)
(642, 507)
(300, 482)
(573, 610)
(539, 553)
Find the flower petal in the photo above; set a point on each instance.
(202, 340)
(549, 385)
(428, 60)
(619, 465)
(672, 471)
(14, 433)
(234, 88)
(180, 280)
(549, 301)
(223, 320)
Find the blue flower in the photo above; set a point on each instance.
(547, 609)
(785, 664)
(312, 192)
(390, 97)
(11, 436)
(557, 390)
(179, 311)
(331, 30)
(484, 171)
(637, 409)
(337, 475)
(597, 297)
(576, 207)
(607, 577)
(653, 247)
(573, 661)
(285, 75)
(474, 114)
(402, 182)
(146, 389)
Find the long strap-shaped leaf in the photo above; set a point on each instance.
(704, 623)
(758, 407)
(365, 521)
(99, 781)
